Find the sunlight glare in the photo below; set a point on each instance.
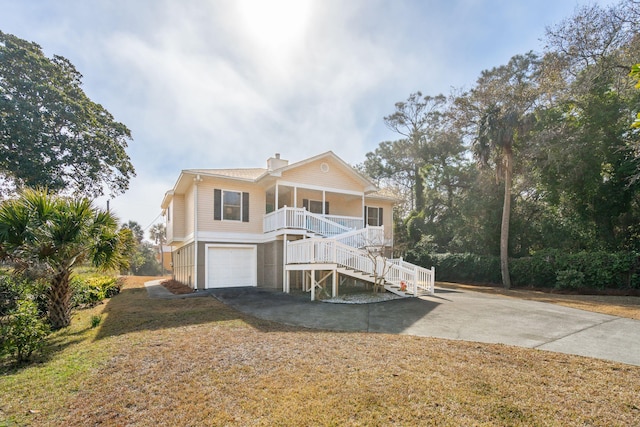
(277, 26)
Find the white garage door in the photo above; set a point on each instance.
(231, 266)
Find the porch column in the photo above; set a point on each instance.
(323, 202)
(285, 274)
(334, 284)
(277, 206)
(313, 285)
(364, 214)
(295, 196)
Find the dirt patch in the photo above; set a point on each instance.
(139, 281)
(176, 287)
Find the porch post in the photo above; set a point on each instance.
(285, 274)
(276, 207)
(324, 203)
(364, 215)
(313, 285)
(295, 196)
(334, 285)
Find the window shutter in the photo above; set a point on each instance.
(245, 207)
(217, 205)
(379, 216)
(305, 203)
(366, 220)
(326, 208)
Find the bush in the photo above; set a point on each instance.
(23, 331)
(10, 293)
(569, 279)
(597, 270)
(89, 291)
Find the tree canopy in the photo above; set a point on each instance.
(51, 134)
(558, 161)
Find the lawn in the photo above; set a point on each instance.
(195, 361)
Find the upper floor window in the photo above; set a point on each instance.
(373, 216)
(315, 206)
(230, 205)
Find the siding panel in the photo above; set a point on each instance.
(336, 177)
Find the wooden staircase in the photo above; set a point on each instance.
(346, 254)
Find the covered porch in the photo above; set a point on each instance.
(322, 211)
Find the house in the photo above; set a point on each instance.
(308, 225)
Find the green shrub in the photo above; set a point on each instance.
(569, 279)
(91, 290)
(10, 293)
(95, 320)
(23, 331)
(598, 270)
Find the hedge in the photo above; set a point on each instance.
(587, 270)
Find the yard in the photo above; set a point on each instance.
(198, 362)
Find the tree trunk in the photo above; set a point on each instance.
(59, 297)
(418, 189)
(506, 214)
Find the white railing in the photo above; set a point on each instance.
(329, 251)
(424, 277)
(369, 236)
(301, 219)
(349, 222)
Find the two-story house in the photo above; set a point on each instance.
(284, 226)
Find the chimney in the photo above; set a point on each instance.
(276, 162)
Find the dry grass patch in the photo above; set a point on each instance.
(622, 306)
(195, 361)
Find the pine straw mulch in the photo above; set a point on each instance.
(176, 288)
(195, 361)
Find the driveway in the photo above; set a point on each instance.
(455, 314)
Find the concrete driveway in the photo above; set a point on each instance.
(458, 315)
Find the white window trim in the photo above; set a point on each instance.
(222, 218)
(377, 208)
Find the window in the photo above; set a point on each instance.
(373, 216)
(230, 205)
(315, 206)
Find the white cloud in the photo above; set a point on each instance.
(227, 83)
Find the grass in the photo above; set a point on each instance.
(195, 361)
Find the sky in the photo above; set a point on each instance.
(229, 83)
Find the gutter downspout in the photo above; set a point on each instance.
(196, 181)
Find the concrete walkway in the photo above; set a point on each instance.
(451, 314)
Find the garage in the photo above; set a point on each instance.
(231, 266)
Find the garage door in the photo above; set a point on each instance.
(231, 266)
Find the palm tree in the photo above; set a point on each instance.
(54, 235)
(494, 145)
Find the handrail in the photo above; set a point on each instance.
(330, 251)
(368, 236)
(300, 218)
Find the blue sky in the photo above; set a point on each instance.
(228, 83)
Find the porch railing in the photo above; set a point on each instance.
(301, 219)
(369, 236)
(329, 251)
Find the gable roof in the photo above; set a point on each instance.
(367, 183)
(258, 174)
